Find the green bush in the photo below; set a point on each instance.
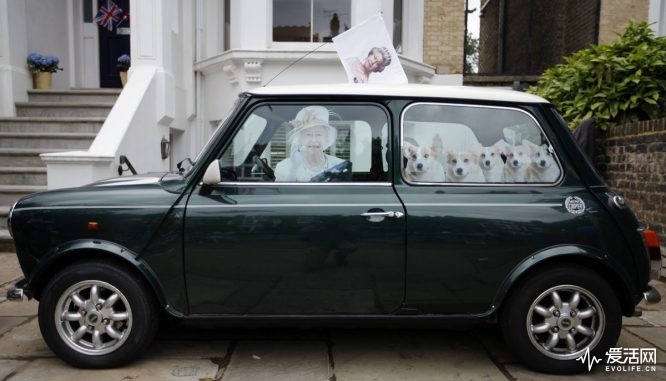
(616, 83)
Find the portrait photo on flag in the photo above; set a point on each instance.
(368, 55)
(110, 15)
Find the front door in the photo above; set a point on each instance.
(284, 235)
(113, 44)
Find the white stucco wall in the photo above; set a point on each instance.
(14, 75)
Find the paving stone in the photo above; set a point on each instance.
(653, 335)
(635, 321)
(411, 355)
(24, 308)
(8, 323)
(279, 360)
(142, 370)
(598, 372)
(188, 349)
(9, 270)
(656, 318)
(24, 341)
(9, 366)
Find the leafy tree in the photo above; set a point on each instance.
(471, 54)
(614, 83)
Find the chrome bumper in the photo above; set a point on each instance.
(651, 296)
(17, 293)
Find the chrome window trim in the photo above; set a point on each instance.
(291, 184)
(460, 184)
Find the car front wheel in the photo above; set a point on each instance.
(557, 316)
(96, 315)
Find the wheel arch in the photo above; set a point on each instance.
(590, 259)
(93, 250)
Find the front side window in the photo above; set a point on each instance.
(475, 144)
(310, 20)
(309, 143)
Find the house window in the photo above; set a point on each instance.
(310, 20)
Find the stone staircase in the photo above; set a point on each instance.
(51, 121)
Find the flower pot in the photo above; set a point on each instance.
(123, 78)
(41, 80)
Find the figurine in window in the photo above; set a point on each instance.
(310, 136)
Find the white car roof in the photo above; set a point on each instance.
(407, 90)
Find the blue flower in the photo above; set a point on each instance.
(38, 62)
(124, 62)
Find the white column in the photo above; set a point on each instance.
(14, 76)
(657, 16)
(251, 24)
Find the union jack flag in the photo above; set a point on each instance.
(109, 15)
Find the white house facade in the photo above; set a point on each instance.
(189, 61)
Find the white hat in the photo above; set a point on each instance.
(309, 117)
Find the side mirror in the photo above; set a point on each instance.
(212, 175)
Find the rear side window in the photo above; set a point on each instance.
(475, 144)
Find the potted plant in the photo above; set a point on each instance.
(123, 64)
(42, 67)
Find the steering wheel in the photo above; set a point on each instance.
(269, 174)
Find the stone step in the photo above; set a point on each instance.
(52, 109)
(22, 176)
(70, 140)
(74, 95)
(50, 124)
(25, 157)
(9, 194)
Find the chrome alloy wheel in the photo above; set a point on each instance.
(565, 320)
(93, 317)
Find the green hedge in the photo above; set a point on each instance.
(620, 82)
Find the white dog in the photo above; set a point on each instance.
(422, 161)
(518, 160)
(490, 160)
(463, 167)
(543, 167)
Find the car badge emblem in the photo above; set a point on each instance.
(574, 205)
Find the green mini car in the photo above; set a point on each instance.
(355, 205)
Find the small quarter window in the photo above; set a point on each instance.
(475, 144)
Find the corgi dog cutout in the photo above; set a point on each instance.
(490, 160)
(518, 160)
(463, 167)
(543, 167)
(422, 161)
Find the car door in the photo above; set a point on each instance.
(333, 243)
(471, 224)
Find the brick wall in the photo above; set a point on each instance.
(444, 35)
(632, 159)
(615, 15)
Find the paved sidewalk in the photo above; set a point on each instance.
(294, 355)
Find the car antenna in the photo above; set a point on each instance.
(294, 63)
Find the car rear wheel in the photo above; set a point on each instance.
(96, 315)
(557, 316)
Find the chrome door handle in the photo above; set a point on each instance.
(389, 214)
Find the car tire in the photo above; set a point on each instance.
(97, 315)
(560, 319)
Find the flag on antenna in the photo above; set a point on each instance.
(367, 53)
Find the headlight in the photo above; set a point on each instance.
(9, 219)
